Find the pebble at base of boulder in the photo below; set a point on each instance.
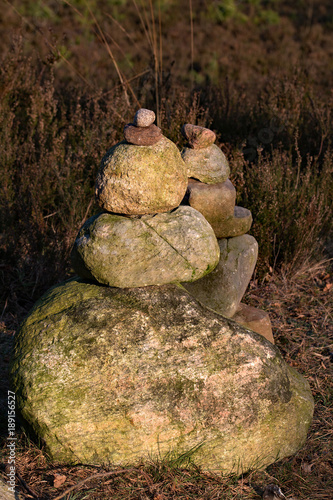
(254, 319)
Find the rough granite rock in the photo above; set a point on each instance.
(153, 250)
(6, 494)
(207, 165)
(254, 319)
(198, 137)
(142, 136)
(144, 117)
(111, 375)
(235, 225)
(224, 288)
(137, 180)
(216, 202)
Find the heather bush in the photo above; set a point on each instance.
(52, 143)
(291, 203)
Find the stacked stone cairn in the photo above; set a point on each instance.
(211, 193)
(147, 239)
(122, 362)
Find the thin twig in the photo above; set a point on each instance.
(192, 42)
(143, 25)
(96, 33)
(156, 64)
(93, 476)
(160, 38)
(87, 211)
(148, 25)
(108, 48)
(122, 28)
(126, 81)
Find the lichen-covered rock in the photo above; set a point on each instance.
(151, 250)
(216, 202)
(236, 225)
(138, 180)
(224, 288)
(8, 492)
(111, 375)
(207, 165)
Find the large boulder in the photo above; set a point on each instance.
(152, 250)
(114, 375)
(137, 180)
(224, 288)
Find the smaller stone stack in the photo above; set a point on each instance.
(139, 239)
(211, 193)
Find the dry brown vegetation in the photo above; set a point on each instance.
(259, 74)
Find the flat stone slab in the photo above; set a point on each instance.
(224, 288)
(138, 180)
(152, 250)
(236, 225)
(255, 319)
(208, 165)
(112, 375)
(216, 202)
(142, 136)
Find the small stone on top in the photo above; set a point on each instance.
(198, 137)
(144, 117)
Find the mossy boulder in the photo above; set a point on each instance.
(115, 375)
(152, 250)
(137, 180)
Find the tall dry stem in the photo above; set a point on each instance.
(150, 31)
(156, 64)
(108, 48)
(192, 41)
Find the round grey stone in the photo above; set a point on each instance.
(144, 117)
